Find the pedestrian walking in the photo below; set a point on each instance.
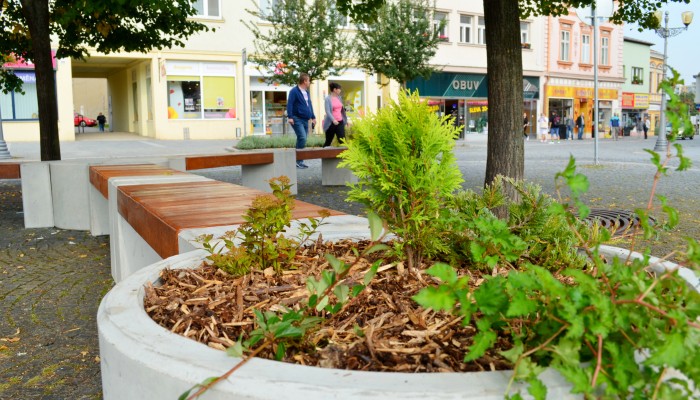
(554, 127)
(542, 127)
(580, 125)
(300, 111)
(101, 121)
(615, 126)
(526, 123)
(646, 126)
(569, 128)
(640, 126)
(335, 120)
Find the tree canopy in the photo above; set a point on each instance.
(304, 37)
(103, 25)
(400, 41)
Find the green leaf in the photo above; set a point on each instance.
(338, 266)
(377, 247)
(537, 389)
(671, 353)
(341, 292)
(443, 272)
(236, 350)
(371, 273)
(520, 305)
(491, 297)
(438, 298)
(482, 342)
(375, 225)
(281, 350)
(357, 289)
(322, 304)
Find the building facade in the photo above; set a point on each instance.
(569, 78)
(460, 88)
(636, 89)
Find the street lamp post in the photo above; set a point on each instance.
(665, 33)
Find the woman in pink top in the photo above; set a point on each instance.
(335, 120)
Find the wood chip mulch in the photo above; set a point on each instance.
(380, 330)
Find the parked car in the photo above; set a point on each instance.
(80, 120)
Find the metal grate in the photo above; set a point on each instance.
(619, 222)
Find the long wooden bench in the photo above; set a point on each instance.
(10, 170)
(227, 160)
(311, 153)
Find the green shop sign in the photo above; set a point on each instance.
(447, 84)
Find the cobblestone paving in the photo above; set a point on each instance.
(51, 283)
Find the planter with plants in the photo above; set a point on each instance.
(457, 304)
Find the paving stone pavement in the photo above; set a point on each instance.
(51, 280)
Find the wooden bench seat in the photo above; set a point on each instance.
(317, 152)
(158, 212)
(9, 170)
(227, 160)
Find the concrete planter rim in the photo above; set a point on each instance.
(140, 359)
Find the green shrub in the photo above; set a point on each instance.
(261, 243)
(406, 171)
(288, 141)
(535, 231)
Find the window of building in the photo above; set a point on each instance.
(440, 25)
(17, 106)
(481, 31)
(564, 40)
(586, 49)
(465, 28)
(605, 50)
(201, 90)
(525, 32)
(637, 76)
(208, 8)
(266, 7)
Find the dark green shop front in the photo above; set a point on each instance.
(465, 97)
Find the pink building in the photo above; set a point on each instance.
(568, 86)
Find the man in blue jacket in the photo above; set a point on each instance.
(300, 111)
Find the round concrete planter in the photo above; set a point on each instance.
(142, 360)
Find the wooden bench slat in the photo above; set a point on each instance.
(10, 171)
(100, 174)
(227, 160)
(312, 153)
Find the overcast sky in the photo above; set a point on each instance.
(684, 49)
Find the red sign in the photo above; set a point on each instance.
(627, 100)
(20, 63)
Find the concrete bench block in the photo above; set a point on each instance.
(71, 199)
(332, 175)
(128, 251)
(37, 201)
(257, 176)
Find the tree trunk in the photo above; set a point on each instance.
(505, 151)
(36, 13)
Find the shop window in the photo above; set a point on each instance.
(202, 91)
(208, 8)
(219, 92)
(17, 106)
(481, 31)
(465, 28)
(586, 49)
(637, 76)
(440, 26)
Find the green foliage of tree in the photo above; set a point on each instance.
(304, 37)
(104, 25)
(400, 42)
(406, 171)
